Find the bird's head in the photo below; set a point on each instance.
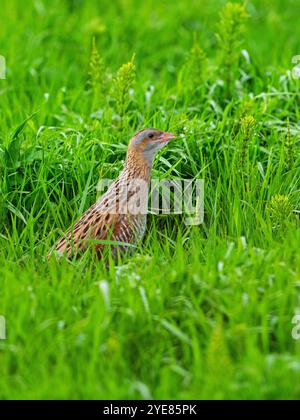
(148, 141)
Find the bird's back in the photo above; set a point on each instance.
(119, 217)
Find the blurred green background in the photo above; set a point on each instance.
(47, 43)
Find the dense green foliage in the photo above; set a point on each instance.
(200, 311)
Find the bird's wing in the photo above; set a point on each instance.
(92, 226)
(105, 220)
(96, 225)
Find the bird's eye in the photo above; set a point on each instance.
(151, 136)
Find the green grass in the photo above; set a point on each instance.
(199, 312)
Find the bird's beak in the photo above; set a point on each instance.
(166, 137)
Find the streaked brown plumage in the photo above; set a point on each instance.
(120, 215)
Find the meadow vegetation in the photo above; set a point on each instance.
(199, 311)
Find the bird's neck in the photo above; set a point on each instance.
(137, 166)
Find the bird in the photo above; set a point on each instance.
(118, 219)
